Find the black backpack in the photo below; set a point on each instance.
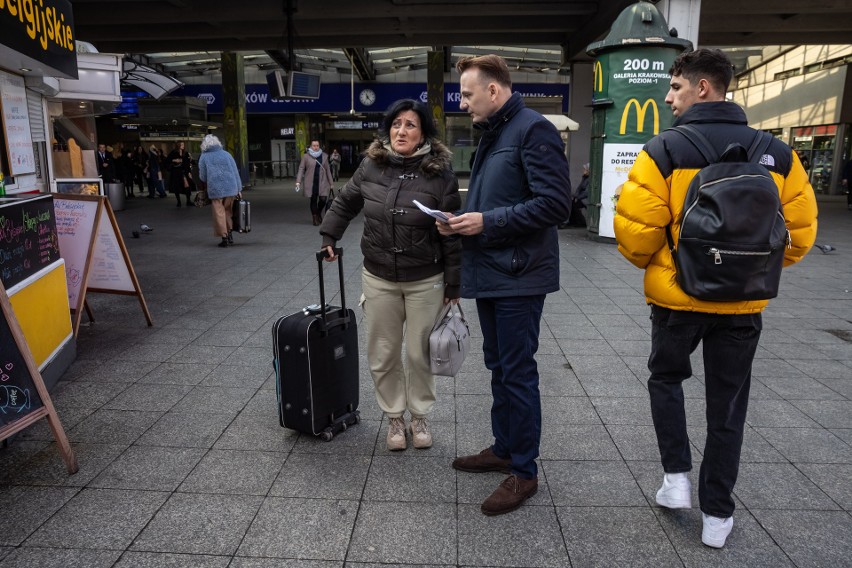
(732, 231)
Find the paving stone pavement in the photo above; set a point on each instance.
(183, 462)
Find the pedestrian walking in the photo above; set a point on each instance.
(218, 170)
(335, 159)
(651, 200)
(314, 176)
(155, 173)
(180, 173)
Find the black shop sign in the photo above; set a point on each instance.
(42, 30)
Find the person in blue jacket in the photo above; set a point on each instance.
(218, 170)
(519, 192)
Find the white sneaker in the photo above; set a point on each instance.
(715, 530)
(421, 437)
(396, 434)
(676, 492)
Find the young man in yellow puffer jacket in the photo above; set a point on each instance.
(652, 199)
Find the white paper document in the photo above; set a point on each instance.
(439, 215)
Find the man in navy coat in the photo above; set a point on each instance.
(519, 192)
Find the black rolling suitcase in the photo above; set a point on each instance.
(242, 216)
(316, 365)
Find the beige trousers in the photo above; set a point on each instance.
(222, 221)
(395, 312)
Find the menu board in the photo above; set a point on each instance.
(96, 259)
(28, 239)
(16, 122)
(75, 221)
(109, 269)
(18, 395)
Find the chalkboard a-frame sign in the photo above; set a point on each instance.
(23, 397)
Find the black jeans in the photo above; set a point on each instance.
(730, 343)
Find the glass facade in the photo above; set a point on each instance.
(816, 146)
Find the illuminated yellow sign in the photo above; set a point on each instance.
(598, 78)
(640, 115)
(42, 30)
(42, 23)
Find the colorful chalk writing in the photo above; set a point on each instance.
(28, 239)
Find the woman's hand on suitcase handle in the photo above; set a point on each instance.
(329, 254)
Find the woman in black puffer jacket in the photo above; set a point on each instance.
(410, 270)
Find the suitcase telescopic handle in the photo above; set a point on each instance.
(338, 252)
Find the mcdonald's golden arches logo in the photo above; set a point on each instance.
(640, 115)
(598, 78)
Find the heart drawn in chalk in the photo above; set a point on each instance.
(9, 366)
(4, 377)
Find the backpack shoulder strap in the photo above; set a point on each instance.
(759, 145)
(705, 148)
(701, 143)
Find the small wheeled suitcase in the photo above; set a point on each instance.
(315, 355)
(242, 216)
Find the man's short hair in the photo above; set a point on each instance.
(491, 68)
(702, 63)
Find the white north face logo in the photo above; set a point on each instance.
(767, 160)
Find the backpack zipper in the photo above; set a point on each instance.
(789, 238)
(717, 253)
(720, 180)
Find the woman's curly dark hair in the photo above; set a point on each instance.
(427, 125)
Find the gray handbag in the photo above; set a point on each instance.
(449, 342)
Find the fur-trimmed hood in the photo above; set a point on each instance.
(399, 242)
(438, 161)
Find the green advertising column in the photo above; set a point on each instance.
(630, 85)
(234, 103)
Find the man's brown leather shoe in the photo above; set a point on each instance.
(483, 461)
(510, 495)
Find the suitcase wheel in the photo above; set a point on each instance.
(326, 435)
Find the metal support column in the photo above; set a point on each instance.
(234, 105)
(435, 91)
